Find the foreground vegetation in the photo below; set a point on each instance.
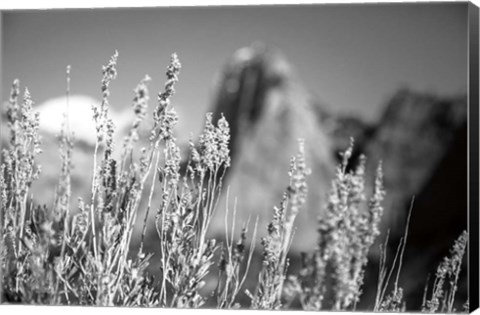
(80, 253)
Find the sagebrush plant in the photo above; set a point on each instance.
(276, 244)
(232, 269)
(446, 278)
(334, 272)
(81, 254)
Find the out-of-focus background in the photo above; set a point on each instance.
(351, 56)
(393, 76)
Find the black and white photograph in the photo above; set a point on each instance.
(308, 157)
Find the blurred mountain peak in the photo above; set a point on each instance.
(268, 109)
(274, 65)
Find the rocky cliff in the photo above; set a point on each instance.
(268, 111)
(420, 137)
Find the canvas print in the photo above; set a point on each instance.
(300, 157)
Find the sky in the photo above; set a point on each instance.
(352, 57)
